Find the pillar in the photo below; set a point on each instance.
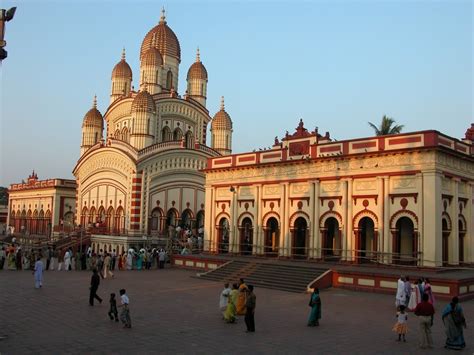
(387, 236)
(381, 224)
(432, 209)
(349, 227)
(209, 243)
(454, 236)
(258, 241)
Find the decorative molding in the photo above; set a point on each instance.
(299, 199)
(240, 201)
(411, 194)
(356, 197)
(324, 198)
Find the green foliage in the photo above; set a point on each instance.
(386, 127)
(3, 196)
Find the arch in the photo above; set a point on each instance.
(84, 213)
(223, 229)
(119, 221)
(361, 215)
(404, 241)
(269, 215)
(12, 214)
(187, 218)
(110, 219)
(117, 134)
(41, 223)
(101, 215)
(446, 232)
(125, 134)
(246, 235)
(461, 237)
(329, 214)
(299, 230)
(166, 134)
(271, 231)
(366, 239)
(462, 223)
(331, 236)
(177, 134)
(449, 223)
(404, 213)
(200, 219)
(299, 214)
(189, 138)
(172, 217)
(244, 215)
(169, 79)
(155, 219)
(92, 215)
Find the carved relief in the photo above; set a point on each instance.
(245, 191)
(445, 184)
(363, 185)
(272, 190)
(404, 183)
(331, 187)
(224, 192)
(299, 188)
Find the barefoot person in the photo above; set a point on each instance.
(315, 304)
(425, 312)
(95, 281)
(38, 272)
(125, 313)
(250, 304)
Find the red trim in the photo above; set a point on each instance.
(445, 142)
(412, 194)
(364, 145)
(336, 148)
(136, 203)
(135, 211)
(134, 219)
(136, 195)
(222, 161)
(404, 140)
(252, 158)
(269, 156)
(138, 180)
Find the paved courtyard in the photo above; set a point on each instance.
(174, 313)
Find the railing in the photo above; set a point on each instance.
(158, 147)
(108, 231)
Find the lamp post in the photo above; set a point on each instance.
(5, 16)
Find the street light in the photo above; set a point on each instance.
(5, 16)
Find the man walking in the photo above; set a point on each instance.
(95, 281)
(425, 311)
(48, 258)
(250, 305)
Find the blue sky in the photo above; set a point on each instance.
(336, 64)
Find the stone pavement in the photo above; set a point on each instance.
(175, 314)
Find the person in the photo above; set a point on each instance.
(400, 297)
(38, 273)
(113, 313)
(19, 258)
(425, 312)
(407, 290)
(67, 260)
(60, 260)
(401, 327)
(2, 257)
(130, 260)
(241, 309)
(140, 260)
(78, 262)
(95, 281)
(429, 292)
(120, 262)
(124, 260)
(54, 259)
(454, 322)
(100, 264)
(224, 297)
(315, 304)
(49, 256)
(106, 270)
(230, 312)
(421, 285)
(114, 260)
(161, 258)
(125, 314)
(415, 296)
(11, 259)
(185, 251)
(250, 304)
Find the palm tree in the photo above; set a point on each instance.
(386, 127)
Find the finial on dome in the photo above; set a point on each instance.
(198, 56)
(123, 53)
(163, 17)
(222, 103)
(94, 102)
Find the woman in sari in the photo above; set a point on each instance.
(415, 297)
(454, 321)
(230, 312)
(130, 259)
(11, 259)
(315, 304)
(241, 309)
(429, 292)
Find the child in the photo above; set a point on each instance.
(113, 313)
(125, 314)
(401, 327)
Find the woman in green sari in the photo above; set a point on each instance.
(231, 310)
(454, 322)
(315, 304)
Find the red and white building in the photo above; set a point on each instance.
(405, 198)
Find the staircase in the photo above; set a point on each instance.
(285, 277)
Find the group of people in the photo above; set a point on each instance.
(419, 299)
(113, 311)
(237, 301)
(143, 259)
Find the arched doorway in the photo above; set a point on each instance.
(445, 246)
(189, 140)
(272, 237)
(246, 236)
(223, 236)
(331, 239)
(300, 235)
(366, 240)
(200, 220)
(462, 237)
(187, 219)
(155, 221)
(404, 242)
(109, 220)
(171, 218)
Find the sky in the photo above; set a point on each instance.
(336, 64)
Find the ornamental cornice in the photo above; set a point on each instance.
(181, 108)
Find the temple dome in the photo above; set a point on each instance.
(143, 102)
(221, 119)
(152, 57)
(93, 117)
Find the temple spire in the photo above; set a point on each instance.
(163, 17)
(222, 103)
(94, 102)
(198, 56)
(123, 53)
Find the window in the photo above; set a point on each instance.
(169, 80)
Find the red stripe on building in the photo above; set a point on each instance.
(270, 156)
(222, 161)
(461, 148)
(136, 188)
(404, 140)
(364, 145)
(136, 195)
(444, 142)
(136, 203)
(135, 211)
(330, 149)
(247, 159)
(134, 219)
(139, 180)
(134, 226)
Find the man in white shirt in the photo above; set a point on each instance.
(125, 314)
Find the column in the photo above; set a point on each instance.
(209, 244)
(284, 230)
(350, 234)
(469, 214)
(233, 237)
(432, 209)
(316, 233)
(258, 222)
(381, 224)
(454, 213)
(387, 236)
(311, 220)
(344, 222)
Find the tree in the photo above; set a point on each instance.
(386, 127)
(3, 196)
